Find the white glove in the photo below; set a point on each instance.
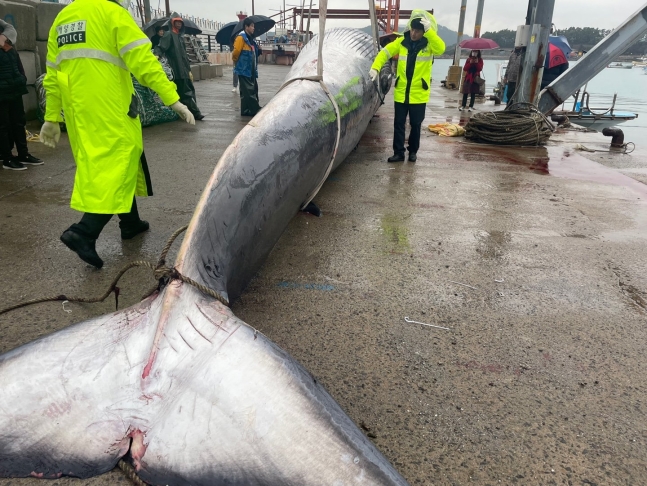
(184, 112)
(373, 74)
(426, 23)
(50, 133)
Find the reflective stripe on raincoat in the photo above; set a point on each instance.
(417, 88)
(93, 47)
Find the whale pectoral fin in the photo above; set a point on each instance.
(65, 417)
(313, 209)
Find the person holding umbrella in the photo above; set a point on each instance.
(155, 40)
(172, 46)
(473, 68)
(556, 62)
(245, 57)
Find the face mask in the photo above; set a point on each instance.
(473, 54)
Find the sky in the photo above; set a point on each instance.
(498, 14)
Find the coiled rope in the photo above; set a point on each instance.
(162, 273)
(522, 124)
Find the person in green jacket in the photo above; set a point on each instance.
(415, 49)
(93, 47)
(171, 45)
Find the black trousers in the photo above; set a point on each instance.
(186, 92)
(12, 128)
(512, 87)
(249, 104)
(92, 224)
(472, 97)
(416, 114)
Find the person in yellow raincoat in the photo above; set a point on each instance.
(415, 49)
(93, 47)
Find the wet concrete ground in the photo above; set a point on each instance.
(533, 257)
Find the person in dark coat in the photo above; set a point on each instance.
(155, 40)
(551, 74)
(473, 67)
(171, 45)
(245, 55)
(13, 85)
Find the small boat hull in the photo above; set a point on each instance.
(598, 122)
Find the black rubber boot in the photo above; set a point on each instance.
(82, 246)
(129, 231)
(413, 157)
(396, 158)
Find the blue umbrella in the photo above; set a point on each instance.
(561, 42)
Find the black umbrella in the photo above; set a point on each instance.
(154, 25)
(223, 36)
(262, 25)
(190, 27)
(151, 28)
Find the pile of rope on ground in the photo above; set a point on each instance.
(523, 125)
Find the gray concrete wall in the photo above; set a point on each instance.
(23, 18)
(46, 13)
(30, 100)
(31, 62)
(32, 21)
(195, 70)
(41, 48)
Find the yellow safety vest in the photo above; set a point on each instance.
(420, 83)
(93, 47)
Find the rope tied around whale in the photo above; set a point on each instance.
(323, 12)
(522, 124)
(162, 273)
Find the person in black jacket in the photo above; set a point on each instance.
(172, 46)
(13, 84)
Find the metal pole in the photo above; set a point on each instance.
(461, 26)
(168, 8)
(373, 17)
(479, 19)
(147, 11)
(533, 64)
(252, 7)
(308, 27)
(396, 19)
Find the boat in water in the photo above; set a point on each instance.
(620, 65)
(596, 119)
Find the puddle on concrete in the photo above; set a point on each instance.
(491, 244)
(395, 231)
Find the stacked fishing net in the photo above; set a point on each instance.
(152, 110)
(40, 94)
